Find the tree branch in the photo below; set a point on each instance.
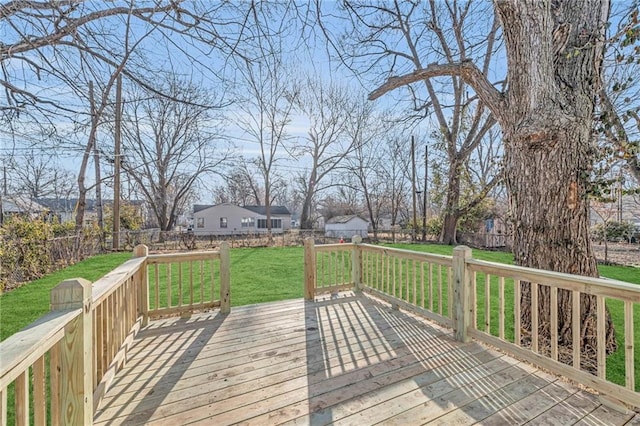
(465, 70)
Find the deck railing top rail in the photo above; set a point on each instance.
(106, 285)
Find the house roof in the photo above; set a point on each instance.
(279, 210)
(200, 207)
(21, 204)
(275, 210)
(344, 219)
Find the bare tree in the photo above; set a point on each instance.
(37, 177)
(366, 128)
(266, 105)
(397, 37)
(619, 119)
(240, 186)
(169, 145)
(327, 107)
(554, 61)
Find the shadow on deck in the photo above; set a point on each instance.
(343, 360)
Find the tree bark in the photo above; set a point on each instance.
(548, 148)
(451, 211)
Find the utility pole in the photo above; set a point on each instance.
(4, 192)
(413, 186)
(426, 193)
(116, 167)
(96, 163)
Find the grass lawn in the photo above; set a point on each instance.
(24, 305)
(269, 274)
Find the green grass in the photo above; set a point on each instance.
(22, 306)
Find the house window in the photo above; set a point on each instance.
(248, 222)
(200, 222)
(223, 222)
(275, 223)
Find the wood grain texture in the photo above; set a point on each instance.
(349, 359)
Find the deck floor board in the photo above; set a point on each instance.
(351, 360)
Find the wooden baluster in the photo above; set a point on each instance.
(180, 292)
(22, 399)
(191, 285)
(575, 327)
(169, 295)
(487, 303)
(39, 392)
(517, 327)
(440, 289)
(201, 281)
(534, 317)
(55, 385)
(431, 287)
(600, 336)
(3, 406)
(422, 284)
(629, 364)
(225, 278)
(501, 314)
(554, 322)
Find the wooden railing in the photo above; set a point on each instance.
(189, 282)
(60, 366)
(482, 300)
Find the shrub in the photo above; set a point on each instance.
(614, 231)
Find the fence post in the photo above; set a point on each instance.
(76, 353)
(461, 293)
(225, 278)
(309, 268)
(356, 262)
(143, 285)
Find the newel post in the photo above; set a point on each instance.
(143, 285)
(309, 268)
(225, 278)
(76, 353)
(461, 293)
(356, 262)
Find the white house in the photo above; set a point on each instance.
(346, 227)
(229, 219)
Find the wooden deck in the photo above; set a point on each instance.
(347, 360)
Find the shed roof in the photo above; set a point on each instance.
(345, 219)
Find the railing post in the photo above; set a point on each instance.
(143, 285)
(309, 268)
(461, 293)
(225, 278)
(76, 353)
(356, 262)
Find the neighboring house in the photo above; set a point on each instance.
(384, 223)
(346, 227)
(21, 205)
(229, 219)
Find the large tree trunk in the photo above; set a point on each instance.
(305, 218)
(451, 213)
(554, 74)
